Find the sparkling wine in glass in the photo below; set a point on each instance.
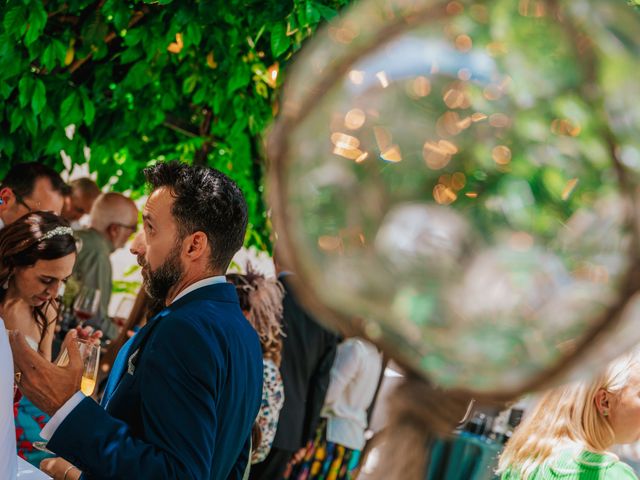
(86, 304)
(90, 354)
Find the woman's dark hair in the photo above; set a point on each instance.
(24, 242)
(207, 201)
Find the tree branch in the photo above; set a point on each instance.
(137, 16)
(179, 129)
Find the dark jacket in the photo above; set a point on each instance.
(308, 352)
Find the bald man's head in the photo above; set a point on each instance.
(115, 216)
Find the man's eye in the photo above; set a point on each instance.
(46, 281)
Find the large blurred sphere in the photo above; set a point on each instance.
(462, 176)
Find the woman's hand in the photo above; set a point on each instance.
(59, 469)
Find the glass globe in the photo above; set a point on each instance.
(458, 181)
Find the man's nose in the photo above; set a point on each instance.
(138, 244)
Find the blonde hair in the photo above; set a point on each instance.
(566, 416)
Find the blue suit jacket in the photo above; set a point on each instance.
(187, 409)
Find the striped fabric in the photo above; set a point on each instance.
(584, 465)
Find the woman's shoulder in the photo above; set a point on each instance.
(608, 466)
(621, 471)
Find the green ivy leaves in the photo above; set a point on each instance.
(133, 100)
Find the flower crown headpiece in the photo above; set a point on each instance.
(55, 232)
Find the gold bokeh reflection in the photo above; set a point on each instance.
(501, 155)
(463, 43)
(343, 140)
(392, 154)
(354, 119)
(421, 87)
(437, 155)
(444, 195)
(565, 127)
(499, 120)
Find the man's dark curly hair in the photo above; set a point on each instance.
(207, 201)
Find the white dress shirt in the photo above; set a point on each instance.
(354, 379)
(56, 420)
(8, 452)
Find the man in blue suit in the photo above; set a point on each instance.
(184, 392)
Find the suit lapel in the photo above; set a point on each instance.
(128, 354)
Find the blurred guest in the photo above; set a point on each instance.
(308, 351)
(261, 302)
(27, 187)
(83, 194)
(37, 253)
(114, 219)
(335, 451)
(569, 433)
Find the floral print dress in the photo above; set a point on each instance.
(272, 401)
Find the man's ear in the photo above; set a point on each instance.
(112, 231)
(196, 245)
(5, 195)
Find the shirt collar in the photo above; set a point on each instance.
(205, 282)
(1, 224)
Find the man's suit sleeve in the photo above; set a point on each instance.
(179, 388)
(319, 384)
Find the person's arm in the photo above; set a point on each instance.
(319, 384)
(178, 385)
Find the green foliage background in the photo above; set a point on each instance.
(148, 81)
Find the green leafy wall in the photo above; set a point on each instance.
(146, 81)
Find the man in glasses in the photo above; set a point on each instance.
(114, 218)
(29, 187)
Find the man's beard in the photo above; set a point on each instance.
(158, 283)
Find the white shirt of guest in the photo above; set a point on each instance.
(8, 452)
(353, 382)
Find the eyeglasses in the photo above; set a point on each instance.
(20, 200)
(133, 228)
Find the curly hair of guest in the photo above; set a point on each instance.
(261, 301)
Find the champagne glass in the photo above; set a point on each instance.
(90, 354)
(85, 305)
